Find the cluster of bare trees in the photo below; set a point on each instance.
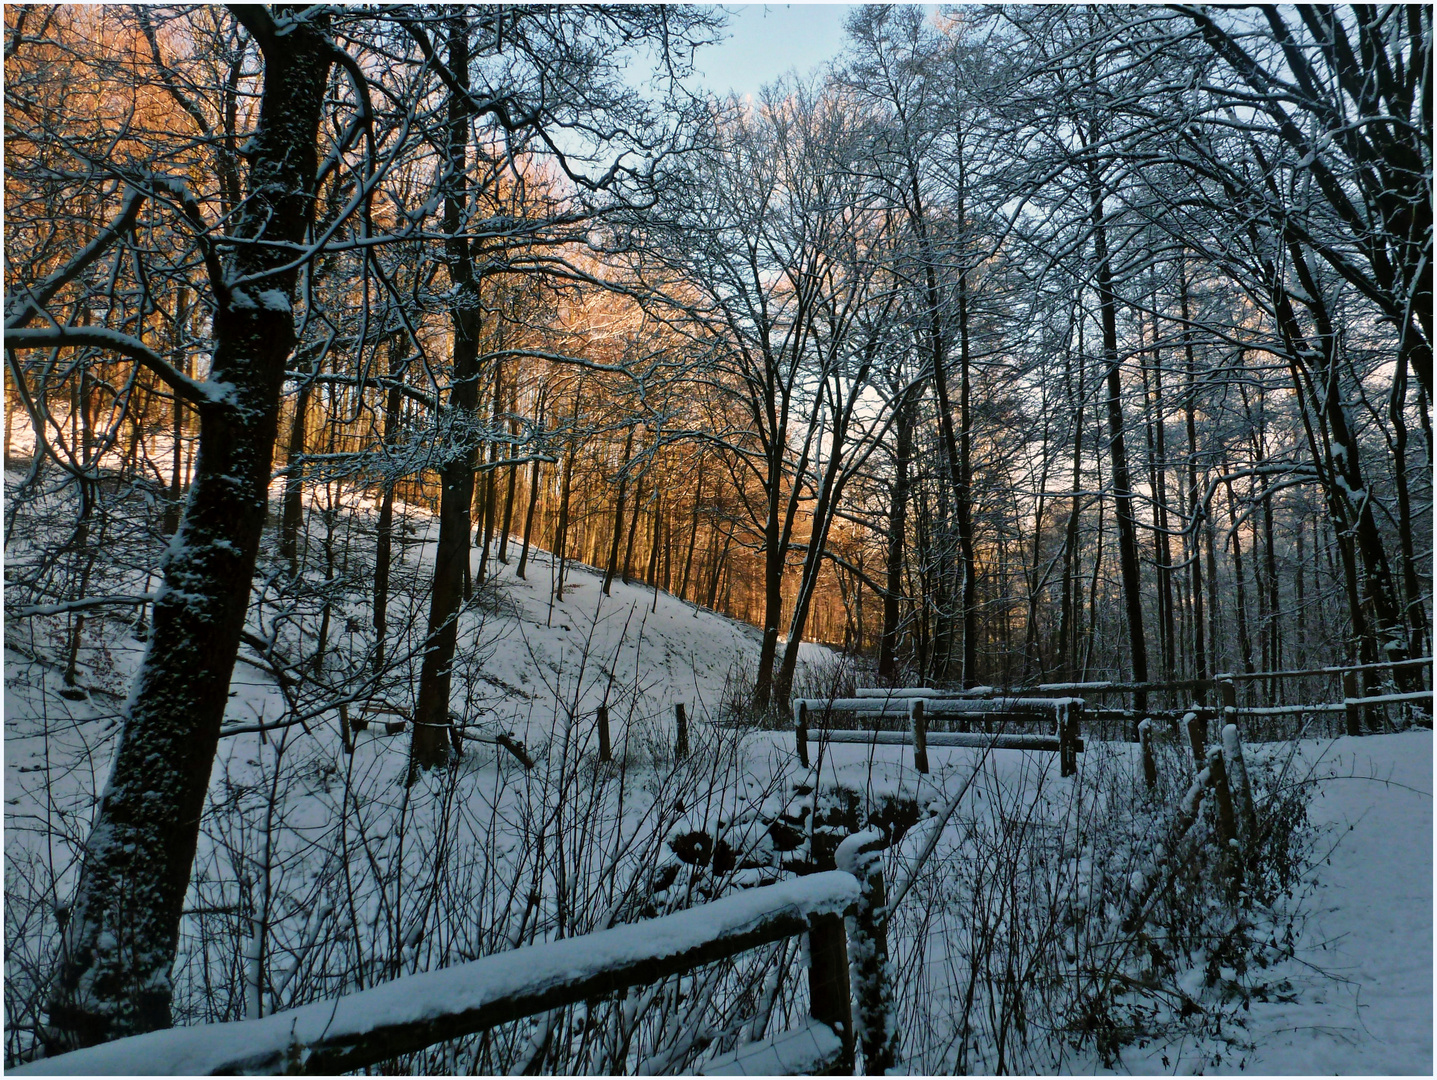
(1027, 342)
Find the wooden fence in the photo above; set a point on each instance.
(409, 1014)
(1257, 694)
(1251, 696)
(919, 705)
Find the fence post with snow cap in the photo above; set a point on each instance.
(829, 991)
(1197, 738)
(876, 1033)
(1240, 783)
(1227, 692)
(1150, 765)
(1350, 706)
(1069, 713)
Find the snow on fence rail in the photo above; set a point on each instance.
(1064, 713)
(893, 701)
(408, 1014)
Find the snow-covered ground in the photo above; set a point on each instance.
(1353, 995)
(1362, 970)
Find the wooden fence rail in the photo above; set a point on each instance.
(1065, 714)
(411, 1013)
(891, 701)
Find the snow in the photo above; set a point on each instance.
(1360, 971)
(793, 1053)
(272, 1042)
(858, 851)
(1362, 968)
(274, 300)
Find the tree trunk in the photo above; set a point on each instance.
(905, 422)
(1157, 480)
(633, 528)
(1341, 470)
(619, 513)
(429, 747)
(292, 516)
(718, 570)
(693, 534)
(1299, 653)
(384, 527)
(1411, 585)
(1067, 647)
(1117, 453)
(490, 479)
(513, 471)
(113, 977)
(1244, 639)
(963, 492)
(772, 608)
(656, 532)
(829, 496)
(171, 521)
(529, 516)
(1193, 549)
(561, 536)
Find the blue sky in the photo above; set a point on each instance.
(765, 40)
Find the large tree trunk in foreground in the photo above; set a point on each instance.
(120, 939)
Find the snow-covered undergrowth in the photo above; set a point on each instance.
(1048, 931)
(318, 870)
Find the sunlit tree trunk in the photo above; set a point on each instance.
(619, 513)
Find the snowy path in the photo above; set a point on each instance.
(1365, 1004)
(1357, 993)
(1371, 922)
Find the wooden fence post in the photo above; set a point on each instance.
(920, 736)
(606, 752)
(681, 739)
(828, 989)
(801, 732)
(1150, 765)
(1228, 694)
(1240, 784)
(862, 856)
(1354, 713)
(1068, 727)
(1226, 825)
(1197, 738)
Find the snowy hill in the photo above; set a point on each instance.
(354, 879)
